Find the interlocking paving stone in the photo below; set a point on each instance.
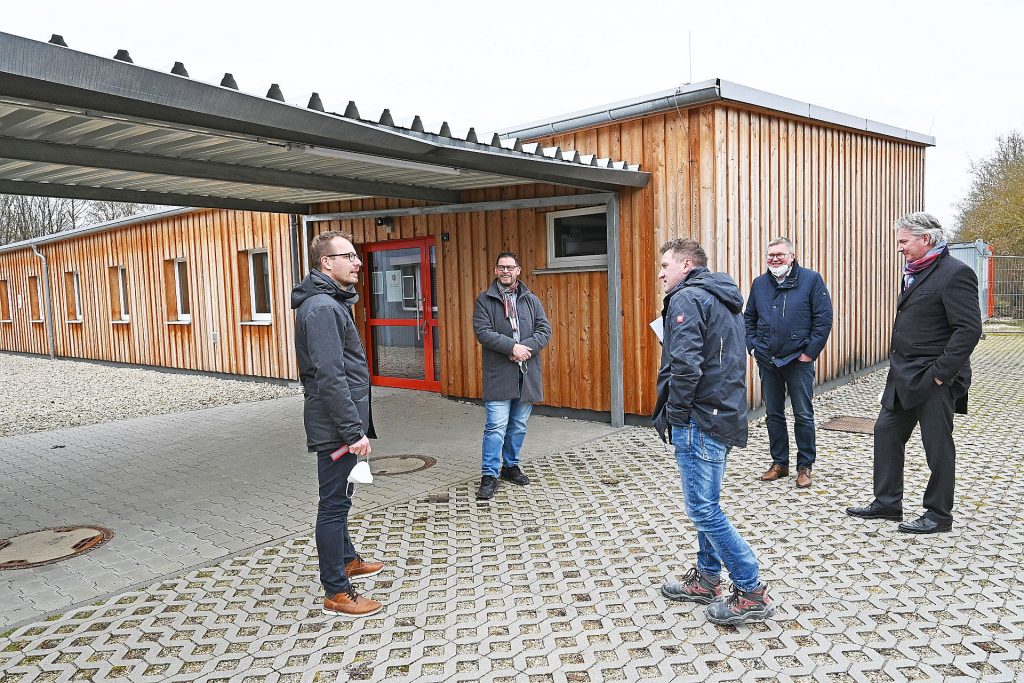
(559, 581)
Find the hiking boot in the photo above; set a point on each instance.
(742, 606)
(360, 567)
(351, 604)
(803, 478)
(693, 587)
(488, 485)
(776, 471)
(514, 475)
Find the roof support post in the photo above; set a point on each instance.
(617, 392)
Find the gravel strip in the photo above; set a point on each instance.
(37, 394)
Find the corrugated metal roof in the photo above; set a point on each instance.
(74, 124)
(704, 92)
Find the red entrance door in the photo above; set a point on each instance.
(401, 314)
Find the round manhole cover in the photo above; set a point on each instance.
(50, 545)
(386, 465)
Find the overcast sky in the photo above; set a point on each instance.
(943, 68)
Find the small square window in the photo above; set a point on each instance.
(578, 238)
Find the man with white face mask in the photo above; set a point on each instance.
(788, 319)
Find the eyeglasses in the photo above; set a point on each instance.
(351, 256)
(506, 269)
(776, 257)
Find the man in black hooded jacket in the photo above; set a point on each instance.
(702, 410)
(336, 384)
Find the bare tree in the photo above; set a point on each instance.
(994, 207)
(24, 217)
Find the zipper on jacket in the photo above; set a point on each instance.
(721, 349)
(785, 298)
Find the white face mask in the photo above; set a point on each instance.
(778, 271)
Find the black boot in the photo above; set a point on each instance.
(488, 485)
(514, 475)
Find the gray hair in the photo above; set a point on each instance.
(921, 223)
(783, 240)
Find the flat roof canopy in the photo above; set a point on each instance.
(81, 126)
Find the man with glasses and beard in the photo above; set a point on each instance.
(336, 384)
(511, 326)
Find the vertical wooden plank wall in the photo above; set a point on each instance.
(575, 363)
(733, 178)
(210, 241)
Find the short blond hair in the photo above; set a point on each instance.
(320, 245)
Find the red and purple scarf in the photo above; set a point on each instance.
(911, 269)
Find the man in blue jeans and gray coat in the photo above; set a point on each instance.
(702, 410)
(788, 320)
(511, 326)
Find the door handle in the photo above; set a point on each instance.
(419, 319)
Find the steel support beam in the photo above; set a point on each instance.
(144, 197)
(504, 205)
(617, 393)
(88, 157)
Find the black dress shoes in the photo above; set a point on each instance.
(875, 511)
(925, 525)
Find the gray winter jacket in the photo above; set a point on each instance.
(501, 376)
(332, 364)
(703, 359)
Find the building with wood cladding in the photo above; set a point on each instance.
(207, 288)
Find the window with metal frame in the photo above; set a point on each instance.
(578, 238)
(176, 288)
(5, 302)
(73, 296)
(35, 296)
(259, 285)
(118, 281)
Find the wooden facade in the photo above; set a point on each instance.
(219, 337)
(732, 176)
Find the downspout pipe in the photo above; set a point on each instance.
(46, 299)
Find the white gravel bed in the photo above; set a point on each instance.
(37, 394)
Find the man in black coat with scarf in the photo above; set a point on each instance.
(937, 326)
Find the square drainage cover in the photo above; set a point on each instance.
(848, 423)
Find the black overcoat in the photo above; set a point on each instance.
(937, 326)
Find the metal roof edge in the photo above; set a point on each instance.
(101, 227)
(692, 94)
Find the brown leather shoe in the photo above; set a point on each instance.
(774, 472)
(351, 604)
(360, 567)
(803, 478)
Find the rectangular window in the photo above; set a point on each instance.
(73, 296)
(35, 296)
(118, 293)
(176, 291)
(578, 238)
(259, 285)
(5, 302)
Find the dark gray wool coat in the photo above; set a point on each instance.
(332, 364)
(501, 376)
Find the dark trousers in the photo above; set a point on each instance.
(797, 380)
(893, 430)
(333, 544)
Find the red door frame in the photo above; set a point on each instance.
(430, 323)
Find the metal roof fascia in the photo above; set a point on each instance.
(684, 96)
(99, 227)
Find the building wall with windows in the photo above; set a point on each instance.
(201, 290)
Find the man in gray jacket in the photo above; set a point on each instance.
(510, 324)
(336, 384)
(702, 409)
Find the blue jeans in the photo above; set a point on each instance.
(701, 461)
(333, 544)
(504, 433)
(796, 379)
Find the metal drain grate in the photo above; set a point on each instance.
(848, 423)
(388, 465)
(47, 546)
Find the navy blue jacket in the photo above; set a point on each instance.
(787, 319)
(703, 373)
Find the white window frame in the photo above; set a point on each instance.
(77, 281)
(596, 260)
(182, 317)
(10, 303)
(39, 299)
(122, 292)
(253, 315)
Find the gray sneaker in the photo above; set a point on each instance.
(742, 606)
(693, 587)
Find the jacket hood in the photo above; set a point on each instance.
(318, 283)
(719, 285)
